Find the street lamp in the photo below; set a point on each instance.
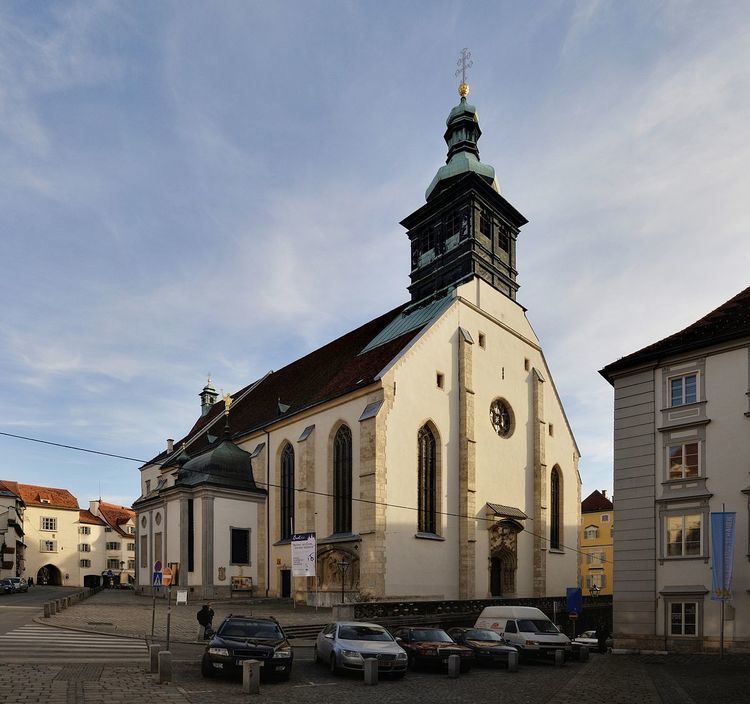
(343, 565)
(594, 591)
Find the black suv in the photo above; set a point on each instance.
(241, 638)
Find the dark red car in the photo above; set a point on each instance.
(431, 647)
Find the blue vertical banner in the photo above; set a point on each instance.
(574, 600)
(722, 552)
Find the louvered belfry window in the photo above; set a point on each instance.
(427, 479)
(287, 492)
(342, 480)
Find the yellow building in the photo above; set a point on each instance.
(596, 531)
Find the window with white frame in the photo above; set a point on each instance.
(131, 530)
(684, 535)
(107, 530)
(596, 580)
(113, 564)
(131, 547)
(84, 530)
(605, 518)
(47, 546)
(684, 460)
(683, 389)
(84, 547)
(48, 523)
(85, 563)
(591, 532)
(113, 546)
(683, 618)
(597, 559)
(131, 564)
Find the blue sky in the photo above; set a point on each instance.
(190, 187)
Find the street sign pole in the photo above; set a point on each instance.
(169, 611)
(154, 583)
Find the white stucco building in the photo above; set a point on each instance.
(65, 545)
(12, 547)
(682, 449)
(428, 448)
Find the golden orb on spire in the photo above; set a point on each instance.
(463, 90)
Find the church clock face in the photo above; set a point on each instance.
(501, 418)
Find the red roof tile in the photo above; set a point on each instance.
(87, 517)
(729, 321)
(46, 496)
(330, 371)
(595, 502)
(116, 516)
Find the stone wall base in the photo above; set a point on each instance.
(657, 643)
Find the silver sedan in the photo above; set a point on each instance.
(346, 645)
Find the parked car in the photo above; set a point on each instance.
(6, 586)
(489, 647)
(19, 584)
(346, 645)
(525, 627)
(432, 646)
(239, 638)
(591, 640)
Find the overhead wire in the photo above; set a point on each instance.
(268, 484)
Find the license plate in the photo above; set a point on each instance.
(219, 665)
(445, 661)
(280, 667)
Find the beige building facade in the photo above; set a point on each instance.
(428, 449)
(682, 409)
(596, 538)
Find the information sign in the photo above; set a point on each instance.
(166, 577)
(303, 555)
(156, 581)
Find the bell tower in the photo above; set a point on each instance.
(466, 228)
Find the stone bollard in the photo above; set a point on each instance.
(559, 658)
(201, 632)
(47, 610)
(583, 653)
(67, 602)
(371, 671)
(454, 666)
(251, 676)
(63, 604)
(513, 661)
(52, 608)
(165, 666)
(153, 654)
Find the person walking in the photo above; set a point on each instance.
(205, 617)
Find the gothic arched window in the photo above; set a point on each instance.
(342, 480)
(287, 492)
(555, 527)
(427, 481)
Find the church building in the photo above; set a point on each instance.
(428, 449)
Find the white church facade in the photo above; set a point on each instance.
(428, 449)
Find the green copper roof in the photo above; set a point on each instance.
(461, 137)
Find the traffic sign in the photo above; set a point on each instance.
(156, 582)
(572, 615)
(166, 577)
(109, 573)
(157, 566)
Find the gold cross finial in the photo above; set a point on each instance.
(464, 63)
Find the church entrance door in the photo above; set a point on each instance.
(496, 577)
(286, 584)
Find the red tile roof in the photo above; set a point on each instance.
(596, 502)
(729, 321)
(87, 517)
(116, 516)
(43, 495)
(326, 373)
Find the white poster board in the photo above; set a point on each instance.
(303, 555)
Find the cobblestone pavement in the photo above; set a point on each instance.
(124, 613)
(610, 679)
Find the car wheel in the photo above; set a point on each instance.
(332, 665)
(465, 667)
(284, 676)
(207, 669)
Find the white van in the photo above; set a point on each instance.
(526, 628)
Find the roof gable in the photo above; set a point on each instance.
(595, 502)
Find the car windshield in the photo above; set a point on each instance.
(431, 635)
(481, 634)
(258, 630)
(537, 625)
(363, 633)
